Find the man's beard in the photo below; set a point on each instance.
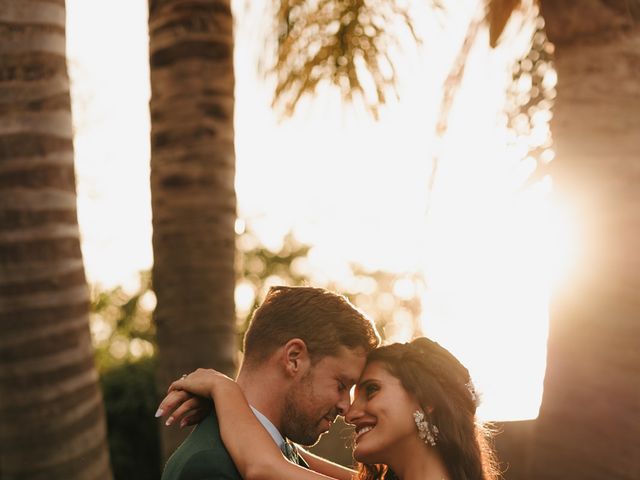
(298, 424)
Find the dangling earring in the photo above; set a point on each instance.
(427, 432)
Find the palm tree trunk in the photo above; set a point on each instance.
(192, 188)
(51, 415)
(589, 420)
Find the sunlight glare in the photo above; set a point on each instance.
(352, 188)
(493, 247)
(244, 298)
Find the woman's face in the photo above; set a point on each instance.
(382, 412)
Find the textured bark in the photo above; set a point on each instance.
(51, 415)
(192, 188)
(589, 420)
(514, 444)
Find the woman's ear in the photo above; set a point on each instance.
(295, 357)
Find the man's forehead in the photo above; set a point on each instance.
(349, 363)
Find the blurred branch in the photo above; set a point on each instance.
(530, 99)
(451, 86)
(494, 14)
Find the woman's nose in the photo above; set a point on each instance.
(354, 412)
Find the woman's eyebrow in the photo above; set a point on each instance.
(365, 382)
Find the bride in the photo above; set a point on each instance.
(413, 411)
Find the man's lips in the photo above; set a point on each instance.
(329, 420)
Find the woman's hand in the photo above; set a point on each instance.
(188, 400)
(203, 382)
(184, 407)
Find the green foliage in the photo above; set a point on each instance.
(121, 324)
(391, 299)
(130, 402)
(124, 340)
(258, 268)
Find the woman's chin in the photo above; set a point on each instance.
(362, 455)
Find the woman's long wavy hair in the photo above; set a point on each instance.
(443, 387)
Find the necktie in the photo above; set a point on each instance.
(290, 451)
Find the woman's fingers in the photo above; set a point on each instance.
(182, 410)
(194, 417)
(180, 404)
(190, 395)
(173, 400)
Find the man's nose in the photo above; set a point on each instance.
(343, 403)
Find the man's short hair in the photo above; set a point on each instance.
(324, 320)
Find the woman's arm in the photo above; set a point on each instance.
(252, 449)
(324, 466)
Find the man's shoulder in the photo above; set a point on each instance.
(201, 456)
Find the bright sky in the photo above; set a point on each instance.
(354, 188)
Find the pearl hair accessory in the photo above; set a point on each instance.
(427, 432)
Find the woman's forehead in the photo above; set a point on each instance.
(376, 371)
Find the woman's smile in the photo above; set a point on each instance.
(360, 431)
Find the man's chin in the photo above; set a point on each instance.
(309, 440)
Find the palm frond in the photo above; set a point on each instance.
(342, 41)
(498, 14)
(451, 86)
(494, 15)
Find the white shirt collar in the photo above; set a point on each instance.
(266, 423)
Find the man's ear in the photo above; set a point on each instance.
(295, 357)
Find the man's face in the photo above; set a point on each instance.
(322, 393)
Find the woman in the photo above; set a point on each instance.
(414, 413)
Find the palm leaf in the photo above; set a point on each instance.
(498, 14)
(341, 41)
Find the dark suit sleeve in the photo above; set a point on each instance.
(202, 456)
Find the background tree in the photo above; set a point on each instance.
(51, 413)
(594, 327)
(192, 188)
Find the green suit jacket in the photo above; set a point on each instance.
(203, 456)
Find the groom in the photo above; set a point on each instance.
(304, 349)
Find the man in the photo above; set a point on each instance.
(303, 351)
